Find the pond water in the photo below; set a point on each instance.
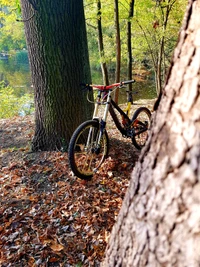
(16, 72)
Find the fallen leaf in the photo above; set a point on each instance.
(57, 247)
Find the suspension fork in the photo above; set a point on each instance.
(102, 122)
(104, 119)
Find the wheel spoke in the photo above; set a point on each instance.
(83, 156)
(141, 123)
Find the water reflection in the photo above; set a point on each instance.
(16, 72)
(143, 88)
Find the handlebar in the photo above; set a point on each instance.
(105, 87)
(127, 82)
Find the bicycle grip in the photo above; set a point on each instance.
(130, 81)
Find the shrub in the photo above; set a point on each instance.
(11, 105)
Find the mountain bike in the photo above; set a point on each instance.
(89, 143)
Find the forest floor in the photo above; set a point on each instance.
(48, 217)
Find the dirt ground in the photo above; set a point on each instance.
(15, 138)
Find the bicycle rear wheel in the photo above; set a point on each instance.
(141, 123)
(85, 156)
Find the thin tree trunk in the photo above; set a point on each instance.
(101, 46)
(165, 15)
(158, 224)
(118, 48)
(131, 10)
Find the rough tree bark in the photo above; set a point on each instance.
(101, 45)
(58, 55)
(159, 222)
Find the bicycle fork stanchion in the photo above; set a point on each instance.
(101, 132)
(96, 107)
(97, 147)
(95, 113)
(103, 121)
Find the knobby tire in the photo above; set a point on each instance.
(143, 115)
(84, 156)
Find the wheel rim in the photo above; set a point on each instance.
(87, 155)
(140, 124)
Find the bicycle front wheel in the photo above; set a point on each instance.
(85, 154)
(141, 123)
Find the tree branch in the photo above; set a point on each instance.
(90, 25)
(33, 4)
(25, 20)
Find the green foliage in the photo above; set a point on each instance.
(145, 41)
(146, 12)
(11, 31)
(149, 27)
(18, 7)
(11, 105)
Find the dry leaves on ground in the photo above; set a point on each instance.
(48, 217)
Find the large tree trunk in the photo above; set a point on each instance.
(159, 223)
(58, 54)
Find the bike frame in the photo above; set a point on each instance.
(110, 105)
